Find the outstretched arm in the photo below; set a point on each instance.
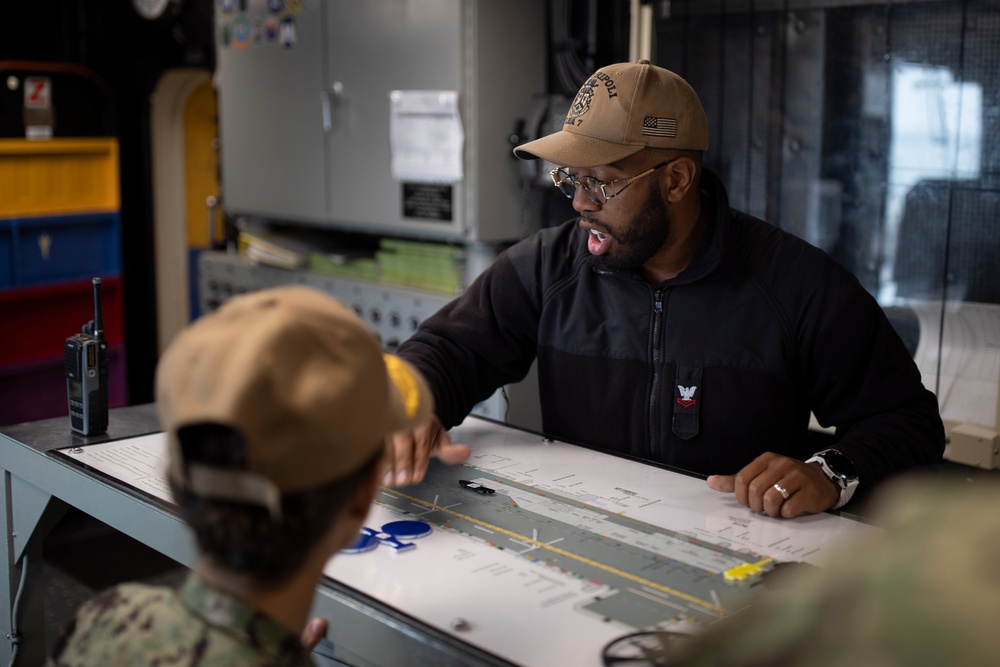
(410, 452)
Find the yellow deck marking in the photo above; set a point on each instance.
(563, 552)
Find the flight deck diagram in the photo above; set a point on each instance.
(642, 575)
(543, 553)
(534, 538)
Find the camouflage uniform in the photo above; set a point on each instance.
(926, 592)
(135, 624)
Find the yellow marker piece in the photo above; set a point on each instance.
(747, 571)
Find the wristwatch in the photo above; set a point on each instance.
(841, 471)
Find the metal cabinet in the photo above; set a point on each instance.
(305, 110)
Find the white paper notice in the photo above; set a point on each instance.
(140, 462)
(426, 136)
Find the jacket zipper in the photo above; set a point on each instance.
(657, 320)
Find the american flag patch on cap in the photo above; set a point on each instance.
(659, 127)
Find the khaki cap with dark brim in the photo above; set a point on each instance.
(300, 377)
(621, 110)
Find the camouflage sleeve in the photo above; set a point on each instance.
(96, 631)
(196, 626)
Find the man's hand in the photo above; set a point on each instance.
(410, 451)
(759, 485)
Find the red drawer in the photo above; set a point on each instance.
(36, 321)
(37, 390)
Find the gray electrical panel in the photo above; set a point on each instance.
(392, 312)
(305, 111)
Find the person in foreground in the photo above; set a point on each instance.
(276, 409)
(668, 326)
(923, 592)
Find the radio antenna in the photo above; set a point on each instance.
(98, 320)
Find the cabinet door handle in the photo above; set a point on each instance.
(324, 100)
(44, 245)
(329, 99)
(211, 203)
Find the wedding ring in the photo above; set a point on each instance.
(781, 490)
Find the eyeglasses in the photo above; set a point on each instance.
(597, 191)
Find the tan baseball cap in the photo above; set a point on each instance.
(300, 377)
(620, 110)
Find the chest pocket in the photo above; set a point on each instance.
(687, 402)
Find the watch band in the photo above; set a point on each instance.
(845, 479)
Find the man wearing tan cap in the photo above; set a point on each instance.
(670, 327)
(276, 409)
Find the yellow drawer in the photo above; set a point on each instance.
(58, 176)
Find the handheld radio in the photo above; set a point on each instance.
(86, 359)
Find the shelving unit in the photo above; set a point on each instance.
(60, 226)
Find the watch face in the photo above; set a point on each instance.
(151, 9)
(840, 464)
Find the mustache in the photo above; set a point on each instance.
(596, 223)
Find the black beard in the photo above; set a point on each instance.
(643, 237)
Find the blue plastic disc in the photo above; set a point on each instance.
(407, 530)
(366, 541)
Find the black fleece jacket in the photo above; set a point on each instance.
(703, 372)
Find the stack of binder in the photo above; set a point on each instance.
(346, 264)
(435, 267)
(274, 249)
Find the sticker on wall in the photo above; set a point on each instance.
(257, 30)
(38, 113)
(37, 92)
(270, 29)
(242, 32)
(286, 34)
(241, 23)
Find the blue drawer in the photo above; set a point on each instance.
(69, 247)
